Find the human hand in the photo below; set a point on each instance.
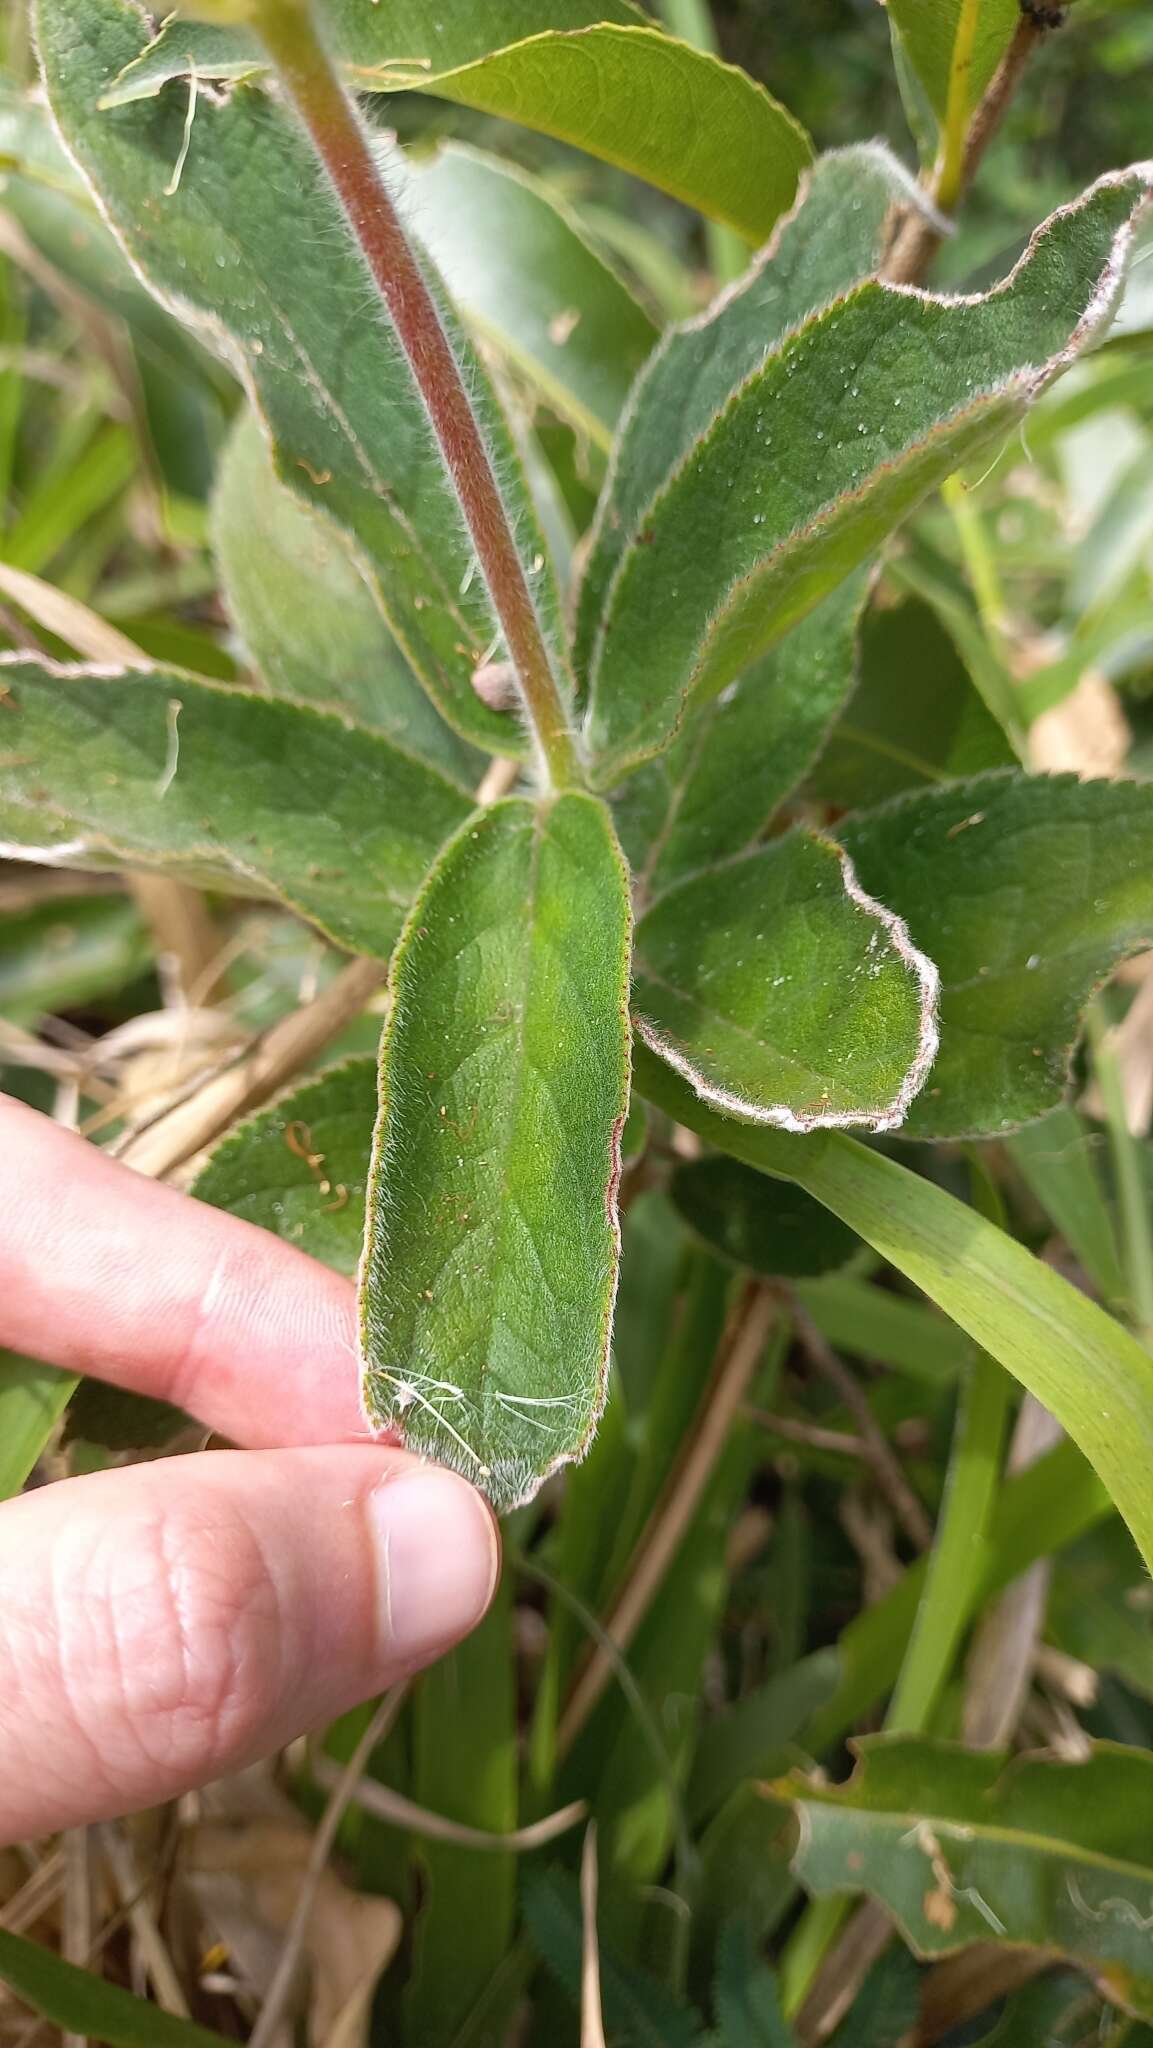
(168, 1622)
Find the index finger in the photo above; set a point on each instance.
(104, 1272)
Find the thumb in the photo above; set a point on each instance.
(164, 1624)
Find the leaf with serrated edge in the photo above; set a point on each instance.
(1026, 890)
(306, 614)
(491, 1248)
(249, 247)
(820, 454)
(830, 240)
(606, 79)
(785, 994)
(155, 768)
(961, 1846)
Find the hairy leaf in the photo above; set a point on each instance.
(927, 30)
(306, 613)
(602, 77)
(821, 452)
(158, 769)
(249, 246)
(1026, 891)
(832, 239)
(520, 268)
(784, 993)
(300, 1168)
(732, 766)
(961, 1847)
(1080, 1363)
(767, 1226)
(491, 1250)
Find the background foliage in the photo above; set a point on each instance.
(820, 1526)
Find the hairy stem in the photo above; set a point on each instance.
(308, 79)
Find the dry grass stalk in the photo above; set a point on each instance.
(592, 2017)
(739, 1356)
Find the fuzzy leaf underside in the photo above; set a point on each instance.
(266, 798)
(491, 1247)
(822, 452)
(831, 239)
(603, 77)
(732, 766)
(250, 249)
(1026, 891)
(307, 616)
(960, 1846)
(784, 994)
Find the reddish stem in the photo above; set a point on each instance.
(309, 80)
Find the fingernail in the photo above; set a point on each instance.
(439, 1559)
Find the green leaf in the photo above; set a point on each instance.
(491, 1250)
(927, 30)
(914, 717)
(1025, 891)
(639, 2009)
(732, 766)
(887, 2008)
(519, 266)
(1038, 1511)
(1056, 1158)
(1079, 1363)
(767, 1226)
(116, 1419)
(784, 993)
(467, 1918)
(821, 452)
(60, 954)
(300, 1169)
(1098, 1608)
(79, 2003)
(872, 1323)
(282, 288)
(960, 1847)
(407, 37)
(33, 1397)
(832, 239)
(745, 1740)
(269, 799)
(601, 77)
(745, 1997)
(307, 615)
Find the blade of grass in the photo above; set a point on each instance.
(33, 1397)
